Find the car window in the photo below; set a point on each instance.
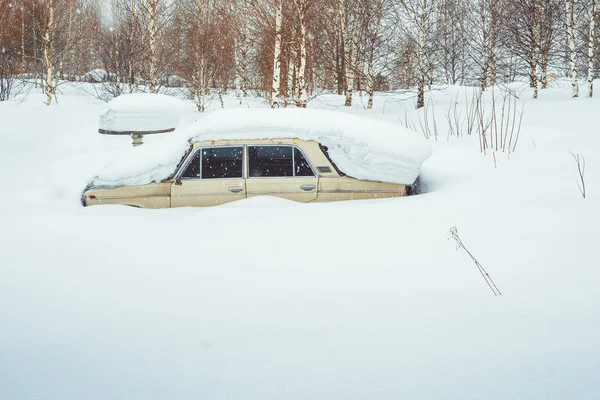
(193, 168)
(301, 164)
(221, 162)
(270, 161)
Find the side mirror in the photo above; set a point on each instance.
(178, 181)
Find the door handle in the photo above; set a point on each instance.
(235, 189)
(307, 187)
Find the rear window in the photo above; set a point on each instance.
(277, 161)
(270, 161)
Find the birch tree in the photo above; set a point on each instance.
(419, 15)
(373, 12)
(570, 13)
(242, 45)
(349, 45)
(56, 40)
(275, 92)
(452, 34)
(591, 44)
(151, 14)
(48, 46)
(550, 19)
(300, 75)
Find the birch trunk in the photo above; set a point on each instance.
(296, 86)
(533, 62)
(289, 92)
(47, 39)
(370, 80)
(374, 34)
(421, 43)
(493, 40)
(152, 39)
(301, 78)
(243, 49)
(485, 54)
(34, 36)
(277, 55)
(130, 61)
(570, 11)
(23, 38)
(591, 42)
(350, 67)
(545, 41)
(346, 51)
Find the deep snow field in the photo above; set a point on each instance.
(270, 299)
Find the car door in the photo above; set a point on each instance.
(282, 171)
(212, 176)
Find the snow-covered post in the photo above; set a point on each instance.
(570, 8)
(277, 55)
(591, 42)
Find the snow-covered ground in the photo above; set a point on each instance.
(270, 299)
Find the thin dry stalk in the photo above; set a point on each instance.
(518, 127)
(580, 160)
(472, 108)
(435, 128)
(488, 279)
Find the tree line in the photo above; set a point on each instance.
(290, 50)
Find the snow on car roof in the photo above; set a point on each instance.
(361, 147)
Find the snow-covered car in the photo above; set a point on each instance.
(301, 155)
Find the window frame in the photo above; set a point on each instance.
(193, 155)
(293, 146)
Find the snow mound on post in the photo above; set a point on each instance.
(141, 112)
(362, 148)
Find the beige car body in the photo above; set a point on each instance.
(327, 184)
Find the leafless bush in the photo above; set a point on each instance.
(427, 126)
(498, 124)
(500, 130)
(488, 280)
(7, 73)
(580, 160)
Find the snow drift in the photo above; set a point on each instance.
(362, 148)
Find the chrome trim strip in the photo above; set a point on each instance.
(98, 197)
(280, 193)
(241, 193)
(359, 191)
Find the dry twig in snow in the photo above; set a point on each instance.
(454, 235)
(580, 160)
